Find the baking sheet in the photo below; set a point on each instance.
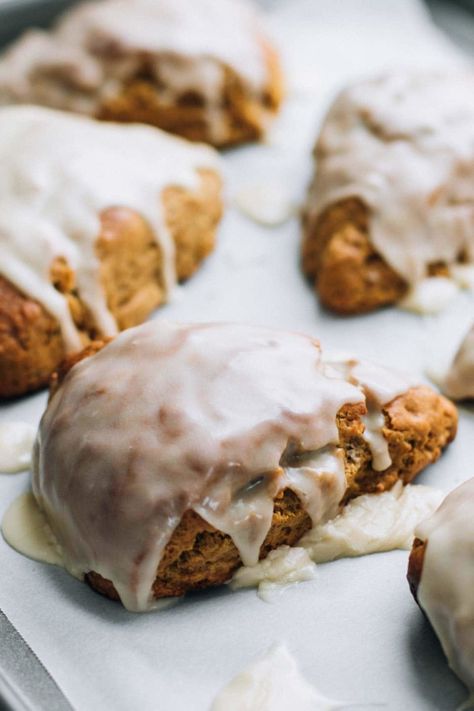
(355, 630)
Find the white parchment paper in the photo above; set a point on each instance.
(355, 630)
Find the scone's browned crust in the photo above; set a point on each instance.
(349, 275)
(418, 425)
(245, 116)
(31, 346)
(415, 565)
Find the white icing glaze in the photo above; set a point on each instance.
(380, 386)
(459, 381)
(283, 567)
(26, 529)
(167, 418)
(57, 174)
(447, 578)
(268, 203)
(372, 523)
(16, 443)
(404, 145)
(99, 45)
(430, 295)
(273, 683)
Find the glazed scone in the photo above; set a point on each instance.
(97, 223)
(459, 380)
(177, 452)
(441, 577)
(204, 70)
(392, 199)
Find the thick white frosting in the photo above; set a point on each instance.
(447, 578)
(57, 174)
(273, 683)
(404, 145)
(459, 381)
(97, 46)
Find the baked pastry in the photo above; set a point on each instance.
(459, 380)
(97, 221)
(392, 199)
(204, 70)
(441, 577)
(176, 452)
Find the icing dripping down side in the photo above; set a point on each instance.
(380, 386)
(273, 683)
(447, 578)
(371, 523)
(57, 174)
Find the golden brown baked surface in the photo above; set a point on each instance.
(246, 116)
(348, 274)
(31, 346)
(418, 425)
(415, 565)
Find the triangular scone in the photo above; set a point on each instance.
(459, 380)
(97, 222)
(392, 200)
(441, 577)
(200, 68)
(177, 452)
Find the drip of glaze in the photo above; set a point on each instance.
(371, 523)
(26, 529)
(16, 444)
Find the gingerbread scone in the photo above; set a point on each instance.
(97, 223)
(176, 453)
(441, 577)
(204, 70)
(459, 380)
(392, 200)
